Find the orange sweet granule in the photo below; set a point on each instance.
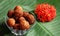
(45, 12)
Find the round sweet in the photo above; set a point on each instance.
(11, 22)
(10, 13)
(18, 8)
(21, 19)
(24, 25)
(18, 11)
(45, 12)
(30, 18)
(25, 14)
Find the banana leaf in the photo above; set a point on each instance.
(51, 28)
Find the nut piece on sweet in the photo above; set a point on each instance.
(30, 18)
(25, 14)
(18, 11)
(16, 26)
(10, 13)
(24, 25)
(11, 22)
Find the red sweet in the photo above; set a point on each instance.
(45, 12)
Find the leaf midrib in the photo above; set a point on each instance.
(44, 28)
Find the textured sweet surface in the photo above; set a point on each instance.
(45, 12)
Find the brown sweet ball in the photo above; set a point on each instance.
(11, 22)
(19, 8)
(25, 14)
(24, 25)
(10, 13)
(18, 11)
(30, 18)
(16, 26)
(21, 19)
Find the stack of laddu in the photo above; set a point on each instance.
(19, 19)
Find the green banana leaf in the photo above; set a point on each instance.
(39, 29)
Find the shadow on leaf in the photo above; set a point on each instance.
(4, 31)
